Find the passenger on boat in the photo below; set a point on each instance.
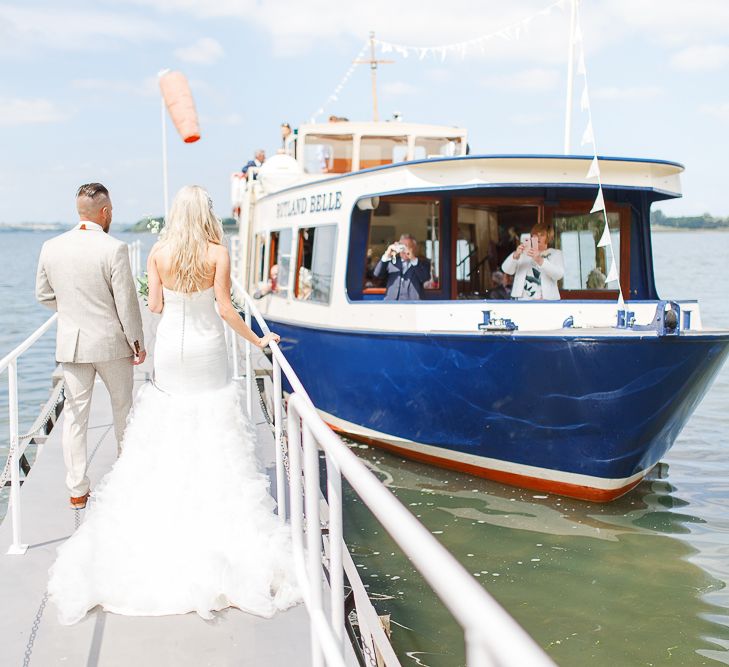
(271, 285)
(536, 270)
(500, 290)
(259, 157)
(406, 273)
(285, 133)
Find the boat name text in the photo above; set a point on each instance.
(329, 201)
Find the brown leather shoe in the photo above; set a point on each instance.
(80, 502)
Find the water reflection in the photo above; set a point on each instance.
(607, 584)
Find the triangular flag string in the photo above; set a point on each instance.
(511, 31)
(334, 96)
(588, 137)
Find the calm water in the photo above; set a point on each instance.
(641, 581)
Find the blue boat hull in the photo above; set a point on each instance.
(581, 416)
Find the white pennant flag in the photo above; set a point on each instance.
(423, 53)
(621, 301)
(584, 100)
(588, 136)
(581, 69)
(599, 204)
(605, 239)
(613, 273)
(443, 54)
(594, 170)
(386, 47)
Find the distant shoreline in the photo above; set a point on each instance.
(664, 228)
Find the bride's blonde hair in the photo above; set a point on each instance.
(189, 227)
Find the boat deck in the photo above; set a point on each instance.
(29, 630)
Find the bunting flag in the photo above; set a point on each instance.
(588, 136)
(507, 33)
(594, 170)
(605, 239)
(599, 204)
(334, 96)
(613, 274)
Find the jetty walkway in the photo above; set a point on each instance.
(29, 630)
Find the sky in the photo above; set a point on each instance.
(79, 98)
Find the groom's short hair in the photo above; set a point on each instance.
(92, 190)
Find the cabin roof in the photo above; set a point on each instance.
(515, 170)
(382, 129)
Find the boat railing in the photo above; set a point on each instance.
(18, 442)
(135, 257)
(492, 636)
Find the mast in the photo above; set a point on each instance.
(570, 78)
(373, 63)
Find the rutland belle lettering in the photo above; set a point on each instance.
(329, 201)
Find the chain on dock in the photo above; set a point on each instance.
(40, 424)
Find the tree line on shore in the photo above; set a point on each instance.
(155, 224)
(705, 221)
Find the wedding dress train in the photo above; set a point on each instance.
(184, 520)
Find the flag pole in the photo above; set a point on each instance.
(165, 188)
(570, 78)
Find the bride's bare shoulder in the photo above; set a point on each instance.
(217, 251)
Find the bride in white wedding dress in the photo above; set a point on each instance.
(184, 520)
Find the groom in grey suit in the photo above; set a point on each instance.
(85, 275)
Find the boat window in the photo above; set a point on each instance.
(586, 265)
(486, 235)
(316, 263)
(282, 242)
(376, 151)
(437, 147)
(259, 263)
(324, 154)
(389, 221)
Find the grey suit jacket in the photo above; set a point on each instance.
(403, 285)
(85, 275)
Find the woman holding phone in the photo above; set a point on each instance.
(535, 266)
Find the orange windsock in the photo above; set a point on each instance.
(178, 99)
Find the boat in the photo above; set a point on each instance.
(580, 396)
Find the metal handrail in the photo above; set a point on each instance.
(492, 636)
(10, 362)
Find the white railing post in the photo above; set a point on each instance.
(313, 539)
(16, 548)
(336, 540)
(477, 655)
(249, 372)
(278, 437)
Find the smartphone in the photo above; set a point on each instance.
(535, 243)
(524, 238)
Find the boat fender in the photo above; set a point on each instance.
(666, 321)
(569, 322)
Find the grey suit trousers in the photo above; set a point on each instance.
(118, 376)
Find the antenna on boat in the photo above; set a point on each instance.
(373, 63)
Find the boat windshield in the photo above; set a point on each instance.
(328, 154)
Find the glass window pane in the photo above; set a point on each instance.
(283, 259)
(376, 151)
(390, 220)
(322, 263)
(586, 265)
(437, 147)
(328, 154)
